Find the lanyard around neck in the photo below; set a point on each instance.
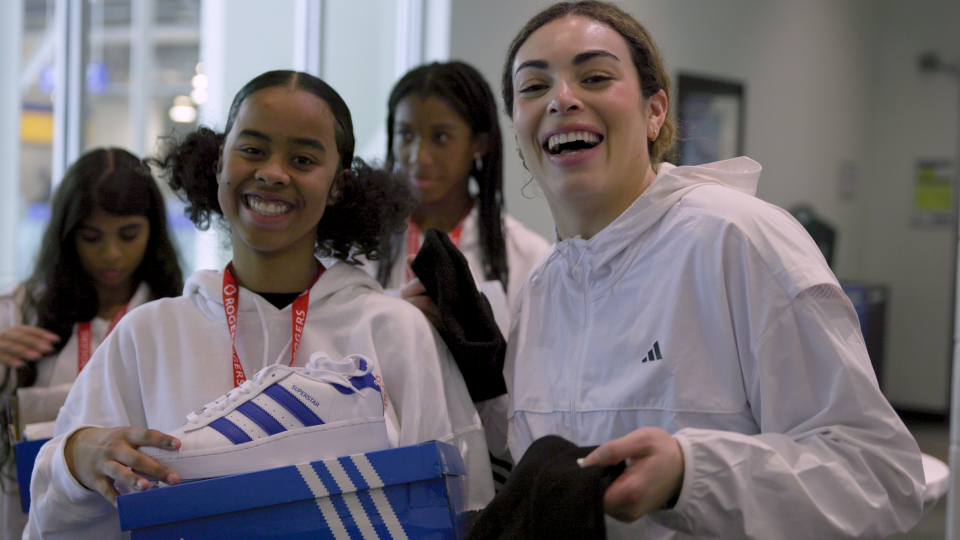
(231, 303)
(85, 337)
(414, 237)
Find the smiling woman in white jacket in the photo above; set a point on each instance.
(679, 322)
(284, 178)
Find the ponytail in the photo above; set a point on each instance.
(189, 165)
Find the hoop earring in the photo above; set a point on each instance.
(478, 161)
(523, 161)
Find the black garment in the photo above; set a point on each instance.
(279, 300)
(466, 319)
(822, 232)
(548, 496)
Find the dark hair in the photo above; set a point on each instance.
(464, 89)
(646, 57)
(60, 293)
(373, 203)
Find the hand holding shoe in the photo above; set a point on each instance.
(98, 457)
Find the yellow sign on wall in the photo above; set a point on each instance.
(933, 192)
(36, 126)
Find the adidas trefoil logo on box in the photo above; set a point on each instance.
(283, 416)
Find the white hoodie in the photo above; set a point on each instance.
(711, 314)
(172, 356)
(52, 370)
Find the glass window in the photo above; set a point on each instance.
(140, 65)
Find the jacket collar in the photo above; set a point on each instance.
(205, 287)
(671, 184)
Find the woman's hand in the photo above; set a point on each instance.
(23, 343)
(98, 457)
(653, 475)
(415, 293)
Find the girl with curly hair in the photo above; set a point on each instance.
(284, 179)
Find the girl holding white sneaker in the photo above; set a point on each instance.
(283, 179)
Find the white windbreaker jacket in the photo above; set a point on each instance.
(712, 314)
(172, 356)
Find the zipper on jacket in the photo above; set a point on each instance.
(575, 420)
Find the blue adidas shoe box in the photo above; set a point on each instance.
(414, 492)
(25, 454)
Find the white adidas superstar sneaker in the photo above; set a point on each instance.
(283, 416)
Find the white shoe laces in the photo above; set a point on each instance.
(319, 368)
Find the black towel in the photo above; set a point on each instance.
(548, 496)
(466, 319)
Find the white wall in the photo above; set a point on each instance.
(11, 32)
(362, 84)
(823, 83)
(240, 39)
(915, 116)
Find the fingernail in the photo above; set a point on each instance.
(580, 462)
(172, 478)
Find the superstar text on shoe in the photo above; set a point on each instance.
(282, 416)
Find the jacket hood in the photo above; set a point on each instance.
(671, 184)
(205, 288)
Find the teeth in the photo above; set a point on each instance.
(265, 208)
(556, 140)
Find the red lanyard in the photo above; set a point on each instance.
(413, 237)
(84, 337)
(231, 301)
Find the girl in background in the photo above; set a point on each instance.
(442, 130)
(284, 179)
(105, 251)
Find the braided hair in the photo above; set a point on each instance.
(463, 88)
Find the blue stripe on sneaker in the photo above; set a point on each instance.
(367, 381)
(261, 417)
(291, 403)
(230, 430)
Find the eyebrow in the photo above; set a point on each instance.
(301, 141)
(127, 227)
(581, 58)
(590, 55)
(441, 125)
(535, 64)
